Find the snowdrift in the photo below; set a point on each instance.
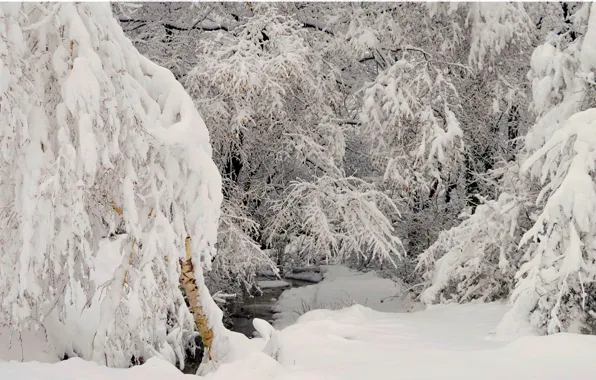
(444, 342)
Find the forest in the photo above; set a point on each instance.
(163, 164)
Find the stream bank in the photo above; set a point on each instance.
(243, 310)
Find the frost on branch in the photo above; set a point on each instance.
(478, 258)
(494, 27)
(268, 98)
(99, 142)
(409, 104)
(560, 250)
(337, 218)
(560, 259)
(259, 83)
(239, 257)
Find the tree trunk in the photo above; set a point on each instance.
(187, 280)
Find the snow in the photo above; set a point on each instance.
(80, 369)
(29, 347)
(306, 276)
(96, 138)
(341, 287)
(355, 342)
(272, 284)
(443, 342)
(360, 343)
(82, 317)
(588, 50)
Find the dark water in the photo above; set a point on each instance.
(242, 311)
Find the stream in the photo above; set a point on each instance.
(244, 309)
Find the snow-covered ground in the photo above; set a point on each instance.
(357, 342)
(341, 287)
(441, 343)
(78, 369)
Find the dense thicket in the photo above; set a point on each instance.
(437, 137)
(451, 146)
(345, 131)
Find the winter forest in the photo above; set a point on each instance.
(255, 190)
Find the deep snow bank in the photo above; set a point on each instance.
(447, 342)
(356, 342)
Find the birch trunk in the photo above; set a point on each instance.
(187, 279)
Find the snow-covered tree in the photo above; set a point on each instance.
(538, 233)
(560, 251)
(426, 103)
(478, 258)
(337, 218)
(446, 106)
(99, 143)
(267, 96)
(270, 89)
